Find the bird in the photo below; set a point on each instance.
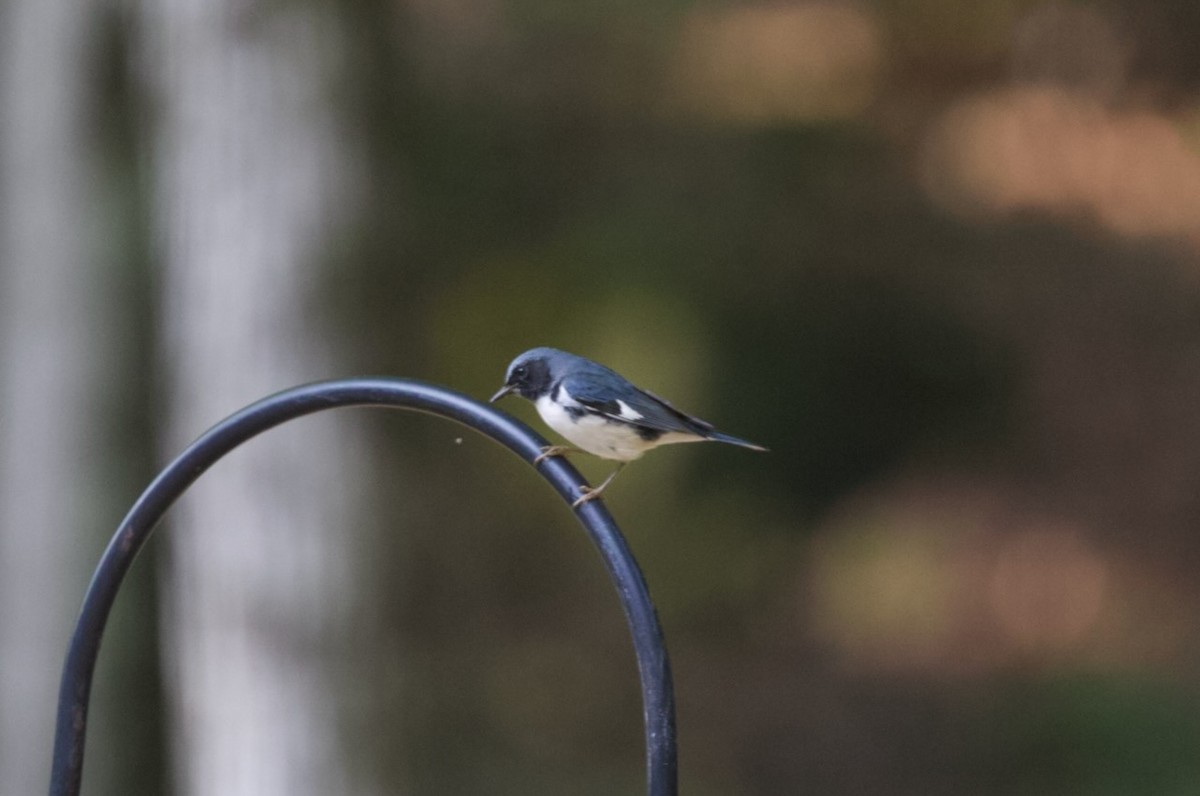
(601, 412)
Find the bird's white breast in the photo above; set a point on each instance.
(594, 433)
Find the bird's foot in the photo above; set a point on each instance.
(586, 495)
(554, 450)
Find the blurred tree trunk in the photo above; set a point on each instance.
(250, 177)
(49, 370)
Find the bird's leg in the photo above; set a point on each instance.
(555, 450)
(590, 493)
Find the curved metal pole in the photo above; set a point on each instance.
(658, 700)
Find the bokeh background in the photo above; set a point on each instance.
(941, 257)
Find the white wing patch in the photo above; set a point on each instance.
(628, 412)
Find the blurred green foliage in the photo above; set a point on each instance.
(529, 182)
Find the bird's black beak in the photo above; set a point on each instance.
(503, 391)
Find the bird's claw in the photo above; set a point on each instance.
(587, 494)
(554, 450)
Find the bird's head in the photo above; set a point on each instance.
(531, 374)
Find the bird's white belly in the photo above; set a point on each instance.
(595, 434)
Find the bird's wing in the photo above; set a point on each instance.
(622, 401)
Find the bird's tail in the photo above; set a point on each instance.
(717, 436)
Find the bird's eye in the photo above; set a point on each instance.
(520, 372)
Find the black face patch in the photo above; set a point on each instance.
(531, 378)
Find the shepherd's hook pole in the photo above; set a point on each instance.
(658, 699)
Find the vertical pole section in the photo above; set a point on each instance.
(658, 697)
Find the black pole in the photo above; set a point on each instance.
(658, 699)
